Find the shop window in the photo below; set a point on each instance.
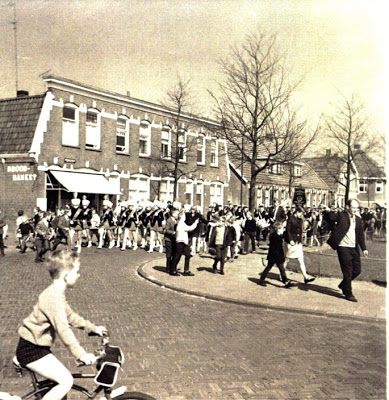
(145, 139)
(70, 125)
(201, 150)
(379, 186)
(139, 188)
(166, 190)
(165, 143)
(216, 193)
(214, 153)
(122, 135)
(93, 134)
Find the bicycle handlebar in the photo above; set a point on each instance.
(100, 353)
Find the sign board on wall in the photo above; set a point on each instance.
(21, 173)
(299, 197)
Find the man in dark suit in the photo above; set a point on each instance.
(346, 238)
(277, 213)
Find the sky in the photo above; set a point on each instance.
(336, 48)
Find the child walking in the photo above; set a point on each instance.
(276, 255)
(53, 316)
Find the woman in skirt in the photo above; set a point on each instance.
(293, 239)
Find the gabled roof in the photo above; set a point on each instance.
(18, 120)
(328, 168)
(367, 168)
(309, 179)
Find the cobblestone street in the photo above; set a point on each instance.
(182, 347)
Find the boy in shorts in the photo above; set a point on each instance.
(53, 316)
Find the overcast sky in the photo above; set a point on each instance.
(141, 46)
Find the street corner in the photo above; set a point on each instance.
(239, 285)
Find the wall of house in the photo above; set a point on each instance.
(371, 196)
(106, 159)
(22, 188)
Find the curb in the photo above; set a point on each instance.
(263, 306)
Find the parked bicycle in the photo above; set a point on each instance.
(110, 359)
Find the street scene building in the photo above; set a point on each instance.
(77, 140)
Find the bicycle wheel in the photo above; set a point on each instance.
(134, 396)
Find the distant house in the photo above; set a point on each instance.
(372, 181)
(279, 181)
(332, 169)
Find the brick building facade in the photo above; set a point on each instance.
(76, 139)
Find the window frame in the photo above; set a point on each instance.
(145, 125)
(136, 179)
(379, 184)
(181, 145)
(166, 143)
(94, 127)
(214, 151)
(202, 149)
(126, 135)
(74, 123)
(363, 183)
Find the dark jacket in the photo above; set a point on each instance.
(250, 225)
(275, 253)
(279, 216)
(341, 228)
(294, 229)
(228, 239)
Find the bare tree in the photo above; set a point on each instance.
(171, 159)
(348, 127)
(255, 112)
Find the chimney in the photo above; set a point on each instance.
(21, 93)
(328, 152)
(128, 93)
(357, 147)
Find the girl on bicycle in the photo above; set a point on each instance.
(51, 316)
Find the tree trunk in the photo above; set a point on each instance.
(252, 193)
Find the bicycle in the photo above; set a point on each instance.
(110, 359)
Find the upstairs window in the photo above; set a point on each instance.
(181, 146)
(145, 139)
(122, 135)
(200, 150)
(214, 153)
(275, 169)
(297, 170)
(379, 186)
(165, 143)
(92, 134)
(362, 186)
(70, 125)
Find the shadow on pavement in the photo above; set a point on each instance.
(379, 283)
(160, 268)
(320, 289)
(205, 269)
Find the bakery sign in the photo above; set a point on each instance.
(21, 173)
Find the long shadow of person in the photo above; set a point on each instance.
(159, 268)
(205, 269)
(272, 279)
(320, 289)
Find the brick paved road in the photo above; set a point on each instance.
(180, 347)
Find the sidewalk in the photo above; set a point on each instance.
(240, 285)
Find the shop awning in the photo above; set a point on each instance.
(87, 183)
